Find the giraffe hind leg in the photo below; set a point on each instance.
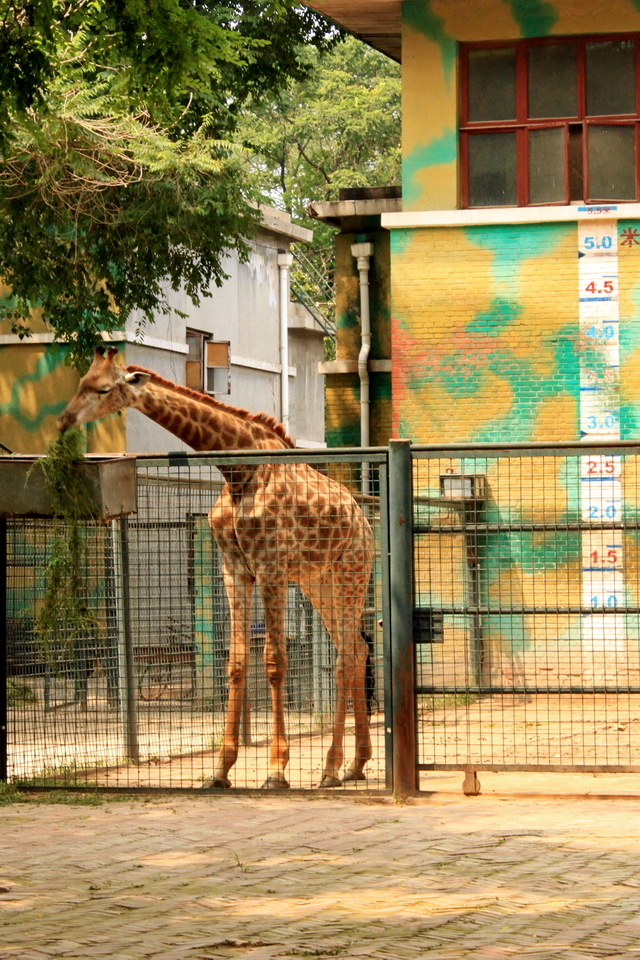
(340, 603)
(274, 596)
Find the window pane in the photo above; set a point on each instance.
(576, 172)
(217, 353)
(492, 84)
(611, 78)
(193, 371)
(492, 169)
(546, 165)
(612, 162)
(194, 345)
(553, 80)
(217, 380)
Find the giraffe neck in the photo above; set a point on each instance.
(204, 423)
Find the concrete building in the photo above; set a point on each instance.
(515, 257)
(232, 346)
(357, 213)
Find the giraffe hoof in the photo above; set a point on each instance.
(328, 781)
(216, 783)
(275, 783)
(351, 775)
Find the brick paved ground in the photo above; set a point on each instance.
(186, 878)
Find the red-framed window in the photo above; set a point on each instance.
(550, 121)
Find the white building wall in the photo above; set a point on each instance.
(245, 312)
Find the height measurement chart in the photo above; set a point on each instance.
(600, 480)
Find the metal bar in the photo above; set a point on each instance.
(317, 276)
(112, 618)
(386, 624)
(245, 720)
(471, 549)
(539, 448)
(559, 526)
(160, 525)
(535, 767)
(470, 610)
(300, 295)
(209, 458)
(405, 780)
(128, 705)
(214, 485)
(4, 756)
(487, 689)
(319, 704)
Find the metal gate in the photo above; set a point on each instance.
(141, 701)
(503, 616)
(518, 629)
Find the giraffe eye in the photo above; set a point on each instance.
(106, 390)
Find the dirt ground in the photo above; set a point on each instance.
(538, 865)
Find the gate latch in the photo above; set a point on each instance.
(428, 626)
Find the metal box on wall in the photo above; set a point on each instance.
(110, 483)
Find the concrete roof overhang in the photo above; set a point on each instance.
(377, 22)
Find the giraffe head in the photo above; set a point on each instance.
(105, 388)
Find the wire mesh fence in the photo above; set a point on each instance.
(527, 589)
(235, 622)
(206, 644)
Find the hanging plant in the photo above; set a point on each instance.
(64, 625)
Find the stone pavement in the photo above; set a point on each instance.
(219, 876)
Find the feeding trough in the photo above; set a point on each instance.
(110, 485)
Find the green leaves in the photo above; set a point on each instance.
(63, 619)
(337, 127)
(120, 178)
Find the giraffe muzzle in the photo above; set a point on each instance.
(65, 420)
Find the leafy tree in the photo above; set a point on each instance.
(337, 127)
(118, 173)
(164, 46)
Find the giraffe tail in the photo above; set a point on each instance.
(370, 674)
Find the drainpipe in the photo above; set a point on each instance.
(363, 253)
(284, 265)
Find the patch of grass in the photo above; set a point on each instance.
(66, 774)
(21, 793)
(238, 862)
(71, 797)
(10, 794)
(442, 701)
(20, 693)
(320, 952)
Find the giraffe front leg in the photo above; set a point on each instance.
(275, 662)
(335, 754)
(239, 589)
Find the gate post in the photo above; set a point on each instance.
(4, 652)
(405, 775)
(126, 669)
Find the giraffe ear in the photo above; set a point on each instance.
(137, 379)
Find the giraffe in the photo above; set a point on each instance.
(274, 523)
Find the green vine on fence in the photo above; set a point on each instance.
(63, 620)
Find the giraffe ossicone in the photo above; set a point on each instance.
(274, 523)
